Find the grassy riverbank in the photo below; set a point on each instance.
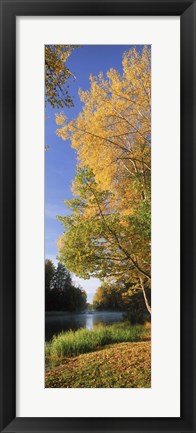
(121, 365)
(116, 356)
(74, 343)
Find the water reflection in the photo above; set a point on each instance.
(89, 321)
(58, 322)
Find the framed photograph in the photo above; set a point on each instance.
(97, 216)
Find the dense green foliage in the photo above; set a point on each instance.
(73, 343)
(60, 292)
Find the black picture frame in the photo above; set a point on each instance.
(186, 9)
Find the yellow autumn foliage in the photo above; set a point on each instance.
(110, 230)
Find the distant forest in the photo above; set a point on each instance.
(60, 292)
(62, 295)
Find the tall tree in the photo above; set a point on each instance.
(61, 294)
(49, 274)
(108, 232)
(62, 278)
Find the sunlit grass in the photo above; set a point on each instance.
(74, 343)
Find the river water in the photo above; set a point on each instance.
(58, 322)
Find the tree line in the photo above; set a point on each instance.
(60, 291)
(62, 295)
(122, 297)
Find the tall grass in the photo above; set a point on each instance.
(73, 343)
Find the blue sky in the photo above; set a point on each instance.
(60, 159)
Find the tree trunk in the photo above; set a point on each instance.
(145, 297)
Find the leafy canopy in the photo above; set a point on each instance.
(107, 234)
